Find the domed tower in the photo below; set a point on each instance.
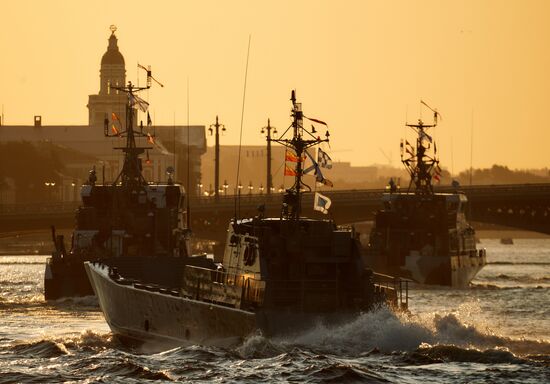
(112, 69)
(111, 73)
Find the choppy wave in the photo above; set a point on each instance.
(441, 353)
(31, 299)
(439, 337)
(342, 373)
(90, 339)
(125, 367)
(84, 301)
(41, 348)
(370, 349)
(518, 263)
(511, 281)
(37, 298)
(523, 278)
(16, 283)
(51, 347)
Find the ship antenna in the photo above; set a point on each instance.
(298, 144)
(174, 138)
(188, 208)
(472, 148)
(130, 174)
(238, 195)
(421, 166)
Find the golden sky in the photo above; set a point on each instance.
(362, 66)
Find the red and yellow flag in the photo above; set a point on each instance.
(289, 156)
(114, 117)
(289, 171)
(115, 131)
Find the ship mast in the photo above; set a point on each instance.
(130, 175)
(421, 165)
(300, 141)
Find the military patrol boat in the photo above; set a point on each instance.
(279, 275)
(420, 234)
(129, 223)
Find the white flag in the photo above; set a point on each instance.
(139, 103)
(323, 159)
(321, 203)
(316, 171)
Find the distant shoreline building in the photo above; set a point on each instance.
(170, 148)
(253, 171)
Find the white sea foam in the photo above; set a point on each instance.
(388, 332)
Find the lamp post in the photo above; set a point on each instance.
(261, 189)
(250, 188)
(267, 132)
(239, 188)
(225, 187)
(73, 184)
(217, 127)
(199, 188)
(50, 188)
(47, 184)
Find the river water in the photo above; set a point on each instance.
(496, 331)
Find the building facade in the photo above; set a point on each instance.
(170, 149)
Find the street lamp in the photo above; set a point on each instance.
(49, 187)
(261, 189)
(267, 132)
(225, 187)
(250, 188)
(281, 188)
(217, 127)
(239, 187)
(199, 187)
(73, 184)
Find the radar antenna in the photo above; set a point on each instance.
(421, 165)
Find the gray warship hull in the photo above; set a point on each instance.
(139, 315)
(146, 314)
(426, 239)
(454, 271)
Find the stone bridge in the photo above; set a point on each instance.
(523, 206)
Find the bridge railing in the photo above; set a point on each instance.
(39, 208)
(344, 196)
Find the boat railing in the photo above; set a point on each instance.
(246, 292)
(394, 289)
(223, 288)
